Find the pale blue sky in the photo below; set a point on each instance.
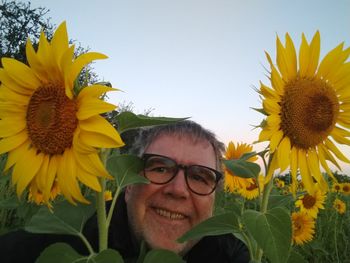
(196, 58)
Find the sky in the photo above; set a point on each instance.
(201, 59)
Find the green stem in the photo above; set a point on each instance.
(87, 244)
(110, 211)
(264, 201)
(101, 207)
(249, 244)
(335, 237)
(101, 217)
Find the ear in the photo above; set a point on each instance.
(127, 193)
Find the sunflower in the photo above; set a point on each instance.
(303, 227)
(311, 203)
(233, 182)
(307, 109)
(51, 134)
(253, 189)
(337, 187)
(345, 188)
(339, 206)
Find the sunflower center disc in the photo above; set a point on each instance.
(51, 120)
(309, 110)
(309, 201)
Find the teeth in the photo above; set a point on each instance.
(170, 215)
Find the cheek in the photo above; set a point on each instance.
(204, 208)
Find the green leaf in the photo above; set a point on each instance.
(295, 257)
(128, 120)
(108, 255)
(65, 219)
(161, 256)
(60, 253)
(272, 231)
(242, 168)
(126, 169)
(246, 156)
(216, 225)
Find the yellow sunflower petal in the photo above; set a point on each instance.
(268, 92)
(322, 155)
(265, 135)
(9, 109)
(81, 62)
(286, 59)
(283, 153)
(41, 176)
(331, 146)
(294, 169)
(34, 62)
(275, 140)
(8, 95)
(91, 106)
(89, 180)
(11, 126)
(98, 124)
(271, 106)
(67, 178)
(10, 143)
(21, 73)
(314, 166)
(272, 168)
(10, 83)
(331, 62)
(50, 176)
(92, 164)
(23, 174)
(309, 55)
(304, 171)
(94, 91)
(59, 41)
(16, 154)
(98, 140)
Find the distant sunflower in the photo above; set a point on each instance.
(233, 182)
(253, 189)
(311, 203)
(303, 227)
(306, 108)
(345, 188)
(339, 206)
(337, 187)
(51, 134)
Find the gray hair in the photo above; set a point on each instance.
(187, 128)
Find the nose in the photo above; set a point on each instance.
(177, 187)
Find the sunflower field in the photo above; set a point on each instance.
(59, 153)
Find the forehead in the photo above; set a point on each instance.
(184, 149)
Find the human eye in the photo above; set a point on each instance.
(201, 175)
(159, 166)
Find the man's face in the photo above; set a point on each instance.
(160, 214)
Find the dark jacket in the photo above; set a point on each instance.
(24, 247)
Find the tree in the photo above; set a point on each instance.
(18, 21)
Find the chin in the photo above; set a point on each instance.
(178, 248)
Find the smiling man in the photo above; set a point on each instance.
(183, 163)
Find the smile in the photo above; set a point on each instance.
(169, 215)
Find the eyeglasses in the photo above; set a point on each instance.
(160, 169)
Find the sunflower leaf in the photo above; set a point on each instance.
(162, 255)
(272, 231)
(126, 169)
(128, 120)
(242, 168)
(108, 255)
(65, 219)
(60, 253)
(216, 225)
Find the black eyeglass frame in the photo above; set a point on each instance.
(218, 174)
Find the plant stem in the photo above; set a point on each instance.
(110, 211)
(101, 207)
(101, 217)
(87, 244)
(335, 236)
